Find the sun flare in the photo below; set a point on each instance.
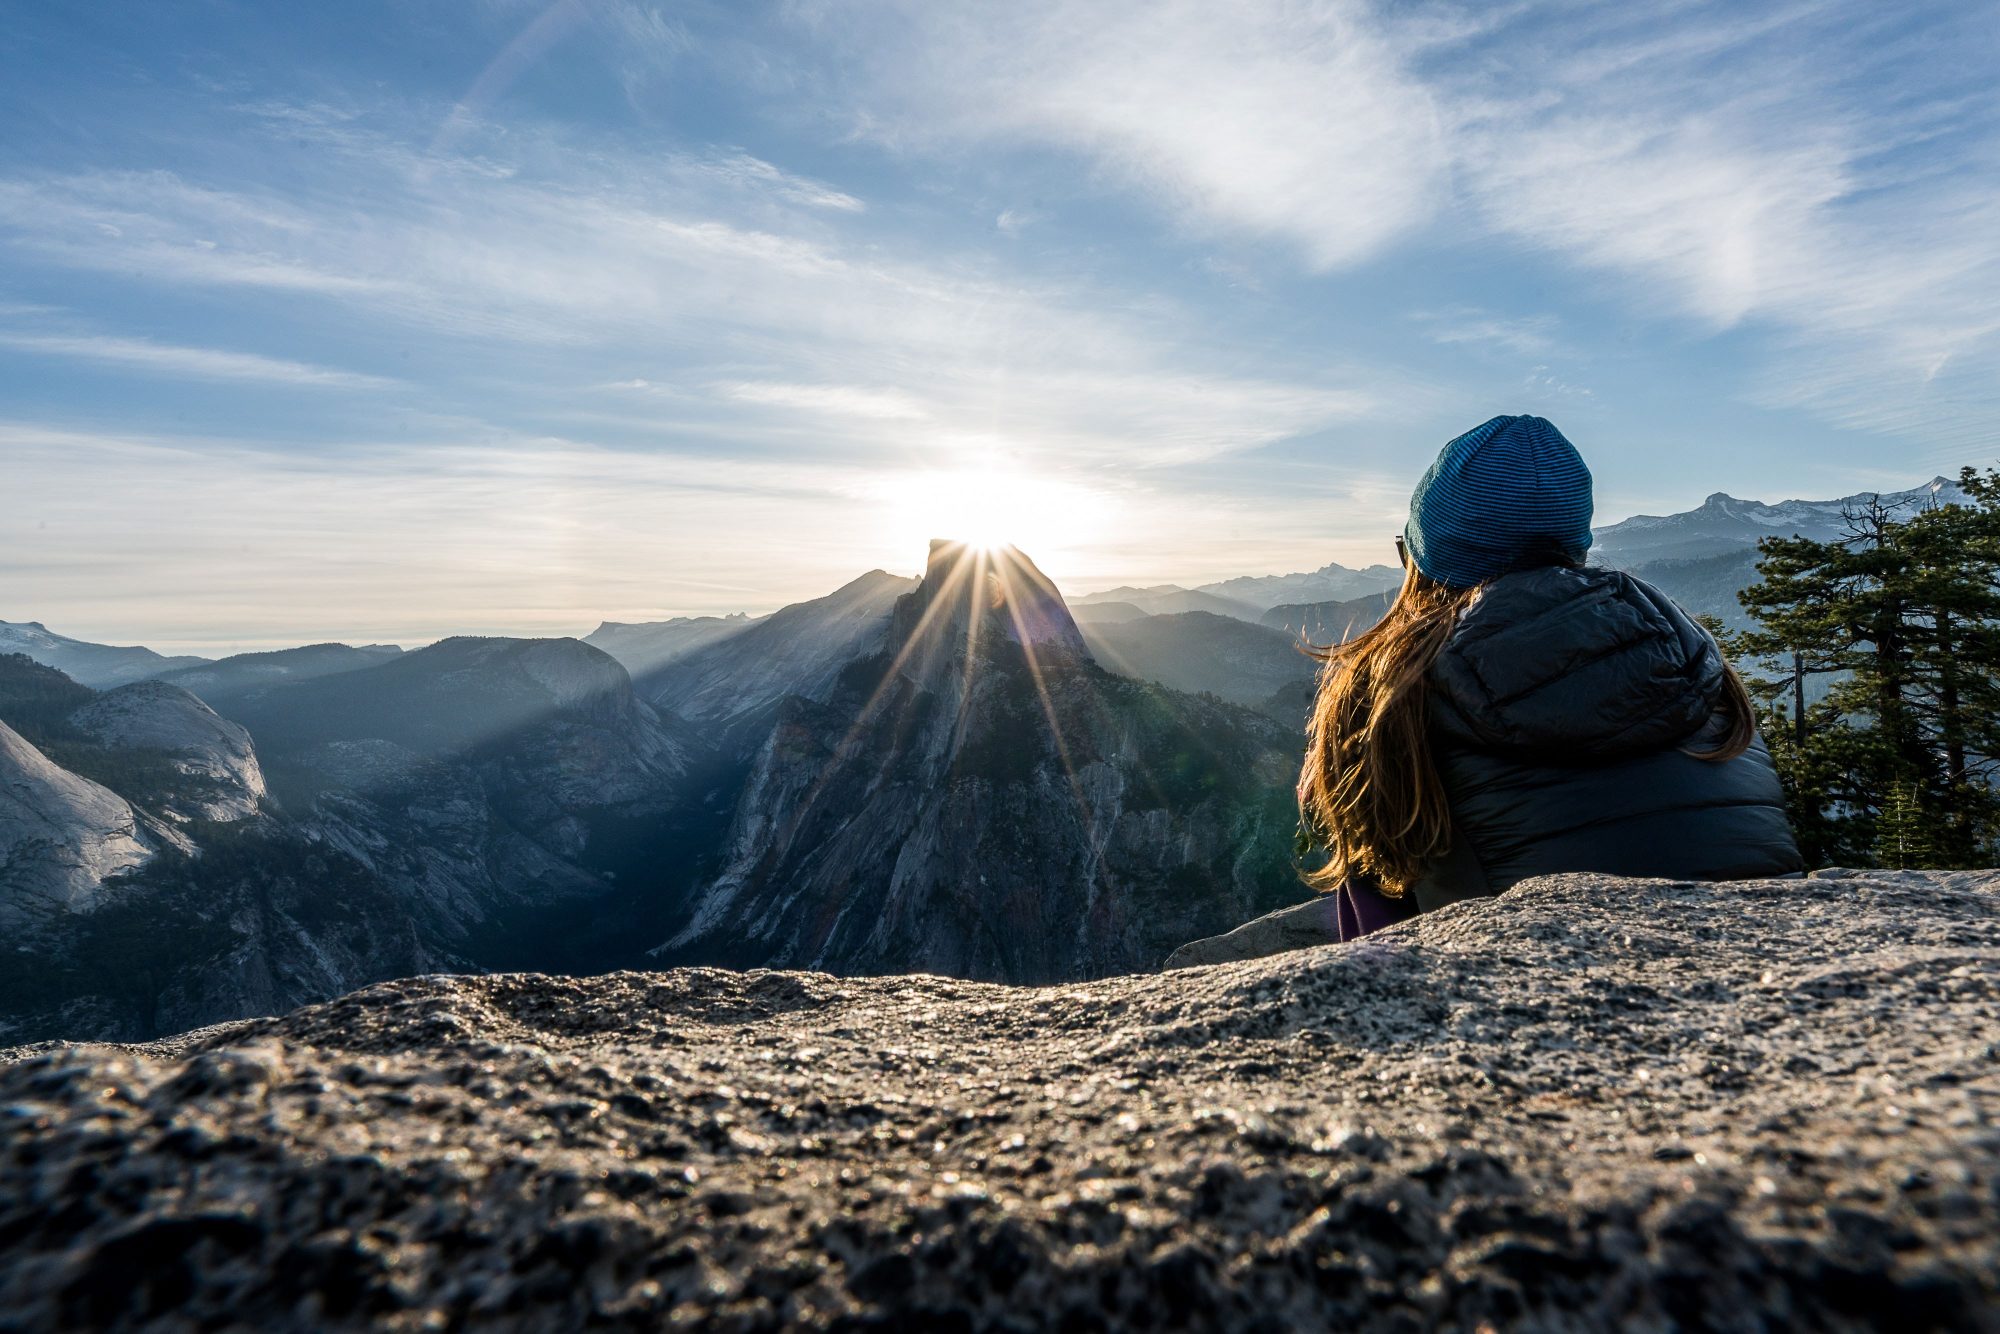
(991, 509)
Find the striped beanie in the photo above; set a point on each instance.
(1506, 495)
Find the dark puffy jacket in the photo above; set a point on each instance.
(1560, 710)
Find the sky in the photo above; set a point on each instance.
(385, 321)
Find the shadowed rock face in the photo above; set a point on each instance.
(979, 799)
(1589, 1104)
(470, 775)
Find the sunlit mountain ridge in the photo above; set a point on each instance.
(950, 772)
(927, 774)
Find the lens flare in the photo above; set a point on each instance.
(992, 509)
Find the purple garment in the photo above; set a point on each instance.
(1364, 908)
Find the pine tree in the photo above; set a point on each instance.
(1877, 665)
(1903, 831)
(1953, 692)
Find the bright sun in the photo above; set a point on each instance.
(994, 509)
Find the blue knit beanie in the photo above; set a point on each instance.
(1502, 496)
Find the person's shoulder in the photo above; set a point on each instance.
(1557, 583)
(1578, 590)
(1558, 592)
(1578, 659)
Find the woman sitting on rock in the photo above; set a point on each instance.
(1517, 713)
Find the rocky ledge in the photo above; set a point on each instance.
(1590, 1103)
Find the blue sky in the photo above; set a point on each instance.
(387, 321)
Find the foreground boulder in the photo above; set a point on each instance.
(1589, 1103)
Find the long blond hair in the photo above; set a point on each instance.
(1370, 795)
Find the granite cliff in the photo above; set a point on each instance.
(923, 774)
(1588, 1104)
(61, 835)
(219, 778)
(429, 810)
(971, 794)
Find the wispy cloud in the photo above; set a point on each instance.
(848, 400)
(1822, 170)
(743, 168)
(203, 363)
(1014, 221)
(1289, 121)
(1541, 382)
(160, 228)
(1529, 335)
(700, 275)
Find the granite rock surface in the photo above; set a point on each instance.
(61, 836)
(1298, 927)
(214, 755)
(1590, 1103)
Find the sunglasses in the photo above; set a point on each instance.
(1402, 556)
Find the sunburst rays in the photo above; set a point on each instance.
(976, 606)
(1011, 600)
(979, 582)
(940, 603)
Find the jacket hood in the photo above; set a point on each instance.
(1575, 664)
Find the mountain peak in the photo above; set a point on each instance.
(1724, 524)
(865, 585)
(947, 552)
(967, 584)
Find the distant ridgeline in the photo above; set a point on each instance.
(908, 774)
(951, 774)
(1705, 557)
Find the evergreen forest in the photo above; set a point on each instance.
(1874, 659)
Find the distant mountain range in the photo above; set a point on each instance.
(1704, 557)
(1249, 597)
(1164, 600)
(1329, 583)
(1724, 525)
(1329, 622)
(86, 663)
(905, 774)
(646, 645)
(1202, 653)
(250, 671)
(950, 773)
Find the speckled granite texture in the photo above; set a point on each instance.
(1590, 1103)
